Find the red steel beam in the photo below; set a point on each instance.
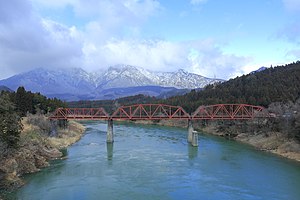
(80, 114)
(163, 111)
(229, 112)
(150, 112)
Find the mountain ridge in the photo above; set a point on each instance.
(76, 82)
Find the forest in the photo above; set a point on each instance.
(275, 88)
(14, 106)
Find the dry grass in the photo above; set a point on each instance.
(275, 142)
(65, 138)
(68, 136)
(35, 149)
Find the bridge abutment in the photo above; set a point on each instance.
(110, 131)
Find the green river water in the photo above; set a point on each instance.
(154, 162)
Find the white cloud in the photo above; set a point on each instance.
(207, 59)
(29, 41)
(202, 57)
(151, 54)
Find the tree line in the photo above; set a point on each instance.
(14, 106)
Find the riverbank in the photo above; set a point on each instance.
(35, 151)
(274, 142)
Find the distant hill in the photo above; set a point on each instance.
(275, 84)
(115, 93)
(117, 81)
(4, 88)
(112, 105)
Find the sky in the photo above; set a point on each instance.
(213, 38)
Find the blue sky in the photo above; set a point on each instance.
(214, 38)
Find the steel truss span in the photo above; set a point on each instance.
(229, 112)
(163, 111)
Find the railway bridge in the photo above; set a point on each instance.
(163, 111)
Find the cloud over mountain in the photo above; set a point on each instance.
(93, 34)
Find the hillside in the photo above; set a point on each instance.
(112, 105)
(275, 84)
(276, 88)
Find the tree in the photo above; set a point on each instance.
(10, 122)
(23, 101)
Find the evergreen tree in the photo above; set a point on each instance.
(10, 123)
(23, 101)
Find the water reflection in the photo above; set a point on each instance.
(192, 151)
(110, 149)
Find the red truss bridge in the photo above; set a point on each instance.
(162, 111)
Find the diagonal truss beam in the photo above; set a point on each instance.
(163, 111)
(229, 112)
(150, 112)
(80, 113)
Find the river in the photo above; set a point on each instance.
(154, 162)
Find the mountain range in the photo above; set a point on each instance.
(117, 81)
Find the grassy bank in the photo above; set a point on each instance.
(35, 150)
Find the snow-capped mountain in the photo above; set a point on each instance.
(122, 76)
(128, 76)
(52, 81)
(76, 83)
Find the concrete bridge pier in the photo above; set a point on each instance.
(110, 131)
(192, 135)
(190, 131)
(194, 139)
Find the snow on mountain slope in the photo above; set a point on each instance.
(128, 76)
(78, 82)
(49, 81)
